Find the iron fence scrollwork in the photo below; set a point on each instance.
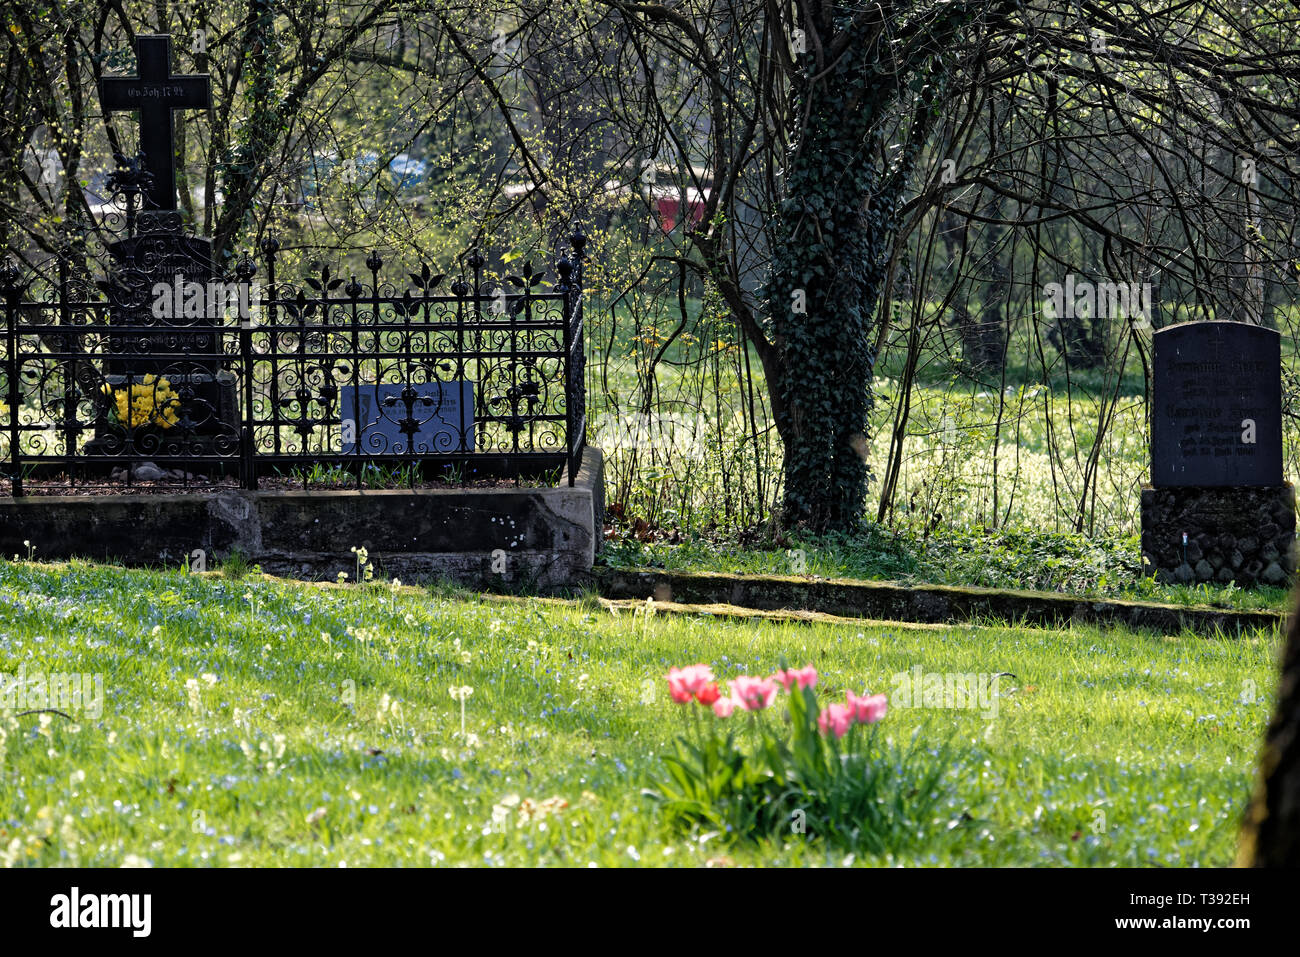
(208, 380)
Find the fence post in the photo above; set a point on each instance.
(246, 270)
(576, 358)
(72, 345)
(565, 268)
(475, 261)
(247, 437)
(9, 282)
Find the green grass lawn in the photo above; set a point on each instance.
(324, 732)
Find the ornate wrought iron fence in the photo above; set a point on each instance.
(323, 380)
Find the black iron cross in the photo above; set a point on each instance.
(155, 93)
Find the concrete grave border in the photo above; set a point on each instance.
(546, 538)
(723, 594)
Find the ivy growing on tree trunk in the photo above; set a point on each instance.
(833, 236)
(825, 280)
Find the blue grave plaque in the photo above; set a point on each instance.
(401, 419)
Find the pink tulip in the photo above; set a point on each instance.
(867, 709)
(723, 707)
(685, 683)
(805, 677)
(678, 695)
(835, 718)
(753, 694)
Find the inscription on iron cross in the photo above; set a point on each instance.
(155, 93)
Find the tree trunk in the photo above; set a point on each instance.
(832, 240)
(827, 267)
(1271, 834)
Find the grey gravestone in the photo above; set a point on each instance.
(1216, 417)
(441, 414)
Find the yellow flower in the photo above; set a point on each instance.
(149, 402)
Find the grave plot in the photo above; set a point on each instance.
(169, 413)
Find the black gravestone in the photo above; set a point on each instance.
(183, 355)
(157, 254)
(160, 252)
(155, 93)
(1216, 417)
(146, 340)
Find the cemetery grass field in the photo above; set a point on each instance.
(1031, 435)
(317, 729)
